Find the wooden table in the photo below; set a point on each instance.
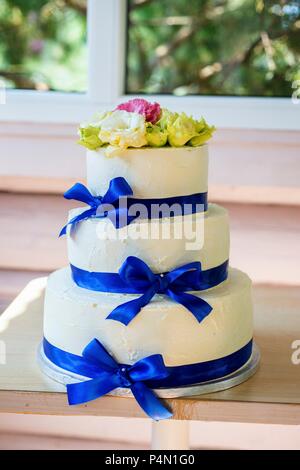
(271, 396)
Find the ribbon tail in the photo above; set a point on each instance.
(126, 312)
(197, 306)
(149, 402)
(88, 390)
(77, 218)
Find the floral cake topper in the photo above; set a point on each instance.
(150, 111)
(139, 123)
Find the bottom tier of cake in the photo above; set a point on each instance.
(73, 317)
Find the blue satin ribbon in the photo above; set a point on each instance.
(106, 374)
(103, 206)
(135, 277)
(148, 373)
(110, 205)
(182, 205)
(202, 372)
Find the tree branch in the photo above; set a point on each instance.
(164, 50)
(139, 3)
(19, 80)
(228, 67)
(243, 58)
(189, 28)
(76, 5)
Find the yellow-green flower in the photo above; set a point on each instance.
(89, 137)
(204, 133)
(156, 137)
(181, 130)
(167, 118)
(120, 129)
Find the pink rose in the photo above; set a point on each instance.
(150, 111)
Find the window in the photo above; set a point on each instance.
(213, 47)
(166, 51)
(43, 45)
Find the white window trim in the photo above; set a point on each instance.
(106, 70)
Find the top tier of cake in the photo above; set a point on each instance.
(163, 157)
(151, 172)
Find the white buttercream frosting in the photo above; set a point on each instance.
(151, 172)
(74, 316)
(95, 245)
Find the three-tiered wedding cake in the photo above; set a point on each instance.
(148, 301)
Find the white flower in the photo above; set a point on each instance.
(123, 129)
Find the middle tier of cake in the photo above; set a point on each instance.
(95, 245)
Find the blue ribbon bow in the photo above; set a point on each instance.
(102, 206)
(107, 375)
(150, 372)
(135, 272)
(110, 205)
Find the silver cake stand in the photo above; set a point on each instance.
(241, 375)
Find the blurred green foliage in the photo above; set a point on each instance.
(43, 44)
(213, 47)
(209, 47)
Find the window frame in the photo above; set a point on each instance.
(106, 26)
